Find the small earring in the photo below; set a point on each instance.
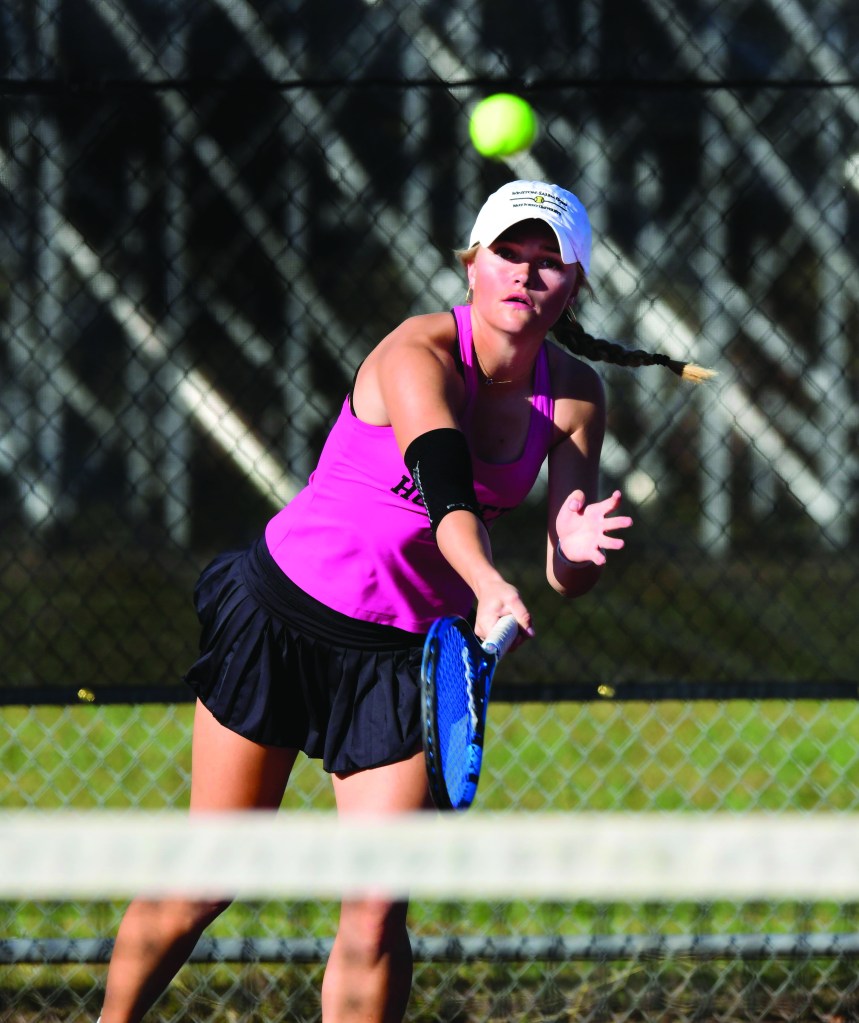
(469, 295)
(571, 314)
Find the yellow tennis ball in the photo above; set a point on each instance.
(502, 125)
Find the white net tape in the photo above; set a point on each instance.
(602, 857)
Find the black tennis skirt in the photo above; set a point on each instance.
(278, 667)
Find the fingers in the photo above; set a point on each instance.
(587, 533)
(611, 502)
(618, 522)
(605, 509)
(526, 628)
(576, 501)
(523, 620)
(489, 613)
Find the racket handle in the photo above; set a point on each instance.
(501, 637)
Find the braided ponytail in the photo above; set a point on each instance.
(572, 335)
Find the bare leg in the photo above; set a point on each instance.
(155, 938)
(369, 972)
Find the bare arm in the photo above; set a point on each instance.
(411, 383)
(464, 541)
(577, 520)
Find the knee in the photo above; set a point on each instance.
(373, 928)
(202, 912)
(199, 913)
(180, 916)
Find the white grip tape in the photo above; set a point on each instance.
(501, 637)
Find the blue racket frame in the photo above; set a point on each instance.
(456, 679)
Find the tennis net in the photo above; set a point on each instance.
(514, 916)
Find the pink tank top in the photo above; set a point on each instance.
(357, 537)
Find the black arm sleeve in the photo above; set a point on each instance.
(440, 465)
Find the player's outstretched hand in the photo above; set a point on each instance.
(584, 529)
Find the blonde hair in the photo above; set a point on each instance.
(570, 334)
(467, 256)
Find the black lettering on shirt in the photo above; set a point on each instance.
(408, 490)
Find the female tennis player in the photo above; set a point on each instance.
(312, 639)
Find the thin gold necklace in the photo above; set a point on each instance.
(487, 379)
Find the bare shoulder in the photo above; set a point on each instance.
(417, 342)
(577, 389)
(436, 331)
(412, 368)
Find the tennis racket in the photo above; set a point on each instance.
(456, 676)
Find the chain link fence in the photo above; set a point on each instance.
(213, 210)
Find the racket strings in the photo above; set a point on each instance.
(456, 716)
(456, 677)
(471, 690)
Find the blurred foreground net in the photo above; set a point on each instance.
(514, 916)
